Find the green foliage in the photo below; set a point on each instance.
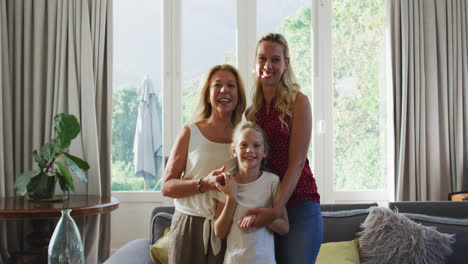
(124, 119)
(40, 183)
(358, 41)
(190, 93)
(124, 179)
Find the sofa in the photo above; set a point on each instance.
(341, 222)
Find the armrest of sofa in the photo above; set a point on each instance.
(160, 220)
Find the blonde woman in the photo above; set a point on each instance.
(198, 159)
(285, 115)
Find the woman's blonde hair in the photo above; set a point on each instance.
(287, 89)
(203, 109)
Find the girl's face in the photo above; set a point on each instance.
(249, 149)
(270, 63)
(223, 92)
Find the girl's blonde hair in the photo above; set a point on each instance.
(287, 89)
(203, 109)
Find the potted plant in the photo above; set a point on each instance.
(51, 158)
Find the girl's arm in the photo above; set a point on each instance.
(225, 212)
(299, 140)
(172, 185)
(281, 224)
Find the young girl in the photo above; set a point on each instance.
(249, 188)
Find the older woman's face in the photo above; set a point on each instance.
(223, 93)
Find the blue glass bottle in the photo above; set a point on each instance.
(65, 246)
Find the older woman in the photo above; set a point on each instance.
(285, 115)
(201, 153)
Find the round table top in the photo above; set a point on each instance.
(19, 208)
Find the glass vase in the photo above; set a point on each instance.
(65, 246)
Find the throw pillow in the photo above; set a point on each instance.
(344, 252)
(390, 237)
(159, 250)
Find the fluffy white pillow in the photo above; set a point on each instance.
(390, 237)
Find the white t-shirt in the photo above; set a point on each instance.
(203, 157)
(256, 245)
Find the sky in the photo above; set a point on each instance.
(208, 35)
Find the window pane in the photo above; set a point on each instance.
(358, 33)
(137, 53)
(292, 18)
(208, 39)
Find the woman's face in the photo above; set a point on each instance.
(270, 63)
(223, 92)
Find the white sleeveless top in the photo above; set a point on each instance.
(203, 157)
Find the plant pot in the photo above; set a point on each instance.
(42, 187)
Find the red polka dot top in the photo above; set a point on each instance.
(278, 139)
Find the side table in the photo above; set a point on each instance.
(42, 213)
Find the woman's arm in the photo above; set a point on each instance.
(299, 140)
(225, 212)
(174, 187)
(281, 224)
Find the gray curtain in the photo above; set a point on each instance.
(56, 57)
(430, 87)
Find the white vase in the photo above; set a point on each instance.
(65, 246)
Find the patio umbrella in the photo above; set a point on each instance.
(147, 147)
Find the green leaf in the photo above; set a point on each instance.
(23, 181)
(49, 150)
(66, 175)
(76, 169)
(62, 182)
(40, 160)
(79, 162)
(66, 128)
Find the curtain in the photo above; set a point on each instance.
(56, 57)
(429, 63)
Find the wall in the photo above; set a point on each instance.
(131, 220)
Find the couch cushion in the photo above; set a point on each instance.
(136, 251)
(390, 237)
(344, 252)
(342, 225)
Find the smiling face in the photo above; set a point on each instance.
(223, 92)
(270, 63)
(249, 149)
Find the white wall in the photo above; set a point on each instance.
(131, 220)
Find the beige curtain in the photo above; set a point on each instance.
(56, 57)
(430, 86)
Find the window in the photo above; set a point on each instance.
(350, 102)
(208, 39)
(137, 55)
(337, 53)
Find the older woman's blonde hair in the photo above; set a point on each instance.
(203, 109)
(287, 89)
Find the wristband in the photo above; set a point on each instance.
(199, 185)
